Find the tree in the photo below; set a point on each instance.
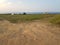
(24, 13)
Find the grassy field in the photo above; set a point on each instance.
(52, 18)
(23, 18)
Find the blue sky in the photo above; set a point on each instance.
(29, 6)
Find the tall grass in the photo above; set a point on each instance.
(23, 18)
(55, 19)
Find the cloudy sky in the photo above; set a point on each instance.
(29, 6)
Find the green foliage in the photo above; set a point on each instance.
(28, 17)
(55, 19)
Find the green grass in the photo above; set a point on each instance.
(55, 19)
(23, 18)
(52, 18)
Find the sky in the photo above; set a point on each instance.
(7, 6)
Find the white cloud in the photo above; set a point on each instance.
(9, 6)
(2, 1)
(4, 4)
(9, 3)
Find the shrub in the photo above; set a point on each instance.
(55, 19)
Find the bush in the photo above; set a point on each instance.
(55, 19)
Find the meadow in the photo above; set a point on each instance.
(53, 18)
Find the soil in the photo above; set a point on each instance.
(29, 33)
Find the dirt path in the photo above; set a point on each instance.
(32, 33)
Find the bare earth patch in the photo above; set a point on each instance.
(29, 33)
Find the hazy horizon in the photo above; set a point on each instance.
(7, 6)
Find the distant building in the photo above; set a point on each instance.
(12, 13)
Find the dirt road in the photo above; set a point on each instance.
(29, 33)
